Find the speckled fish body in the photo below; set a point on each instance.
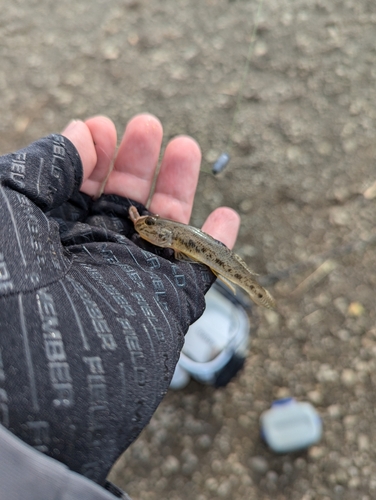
(189, 242)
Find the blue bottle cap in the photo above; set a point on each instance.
(221, 163)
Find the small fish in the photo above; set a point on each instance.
(191, 244)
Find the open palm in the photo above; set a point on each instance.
(133, 166)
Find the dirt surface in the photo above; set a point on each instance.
(303, 153)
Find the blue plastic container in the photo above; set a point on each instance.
(290, 425)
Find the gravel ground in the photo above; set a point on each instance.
(303, 154)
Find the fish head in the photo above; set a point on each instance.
(153, 229)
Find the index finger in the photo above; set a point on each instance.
(137, 158)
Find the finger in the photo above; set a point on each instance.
(103, 134)
(137, 159)
(177, 180)
(223, 224)
(79, 134)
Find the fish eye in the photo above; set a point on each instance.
(150, 221)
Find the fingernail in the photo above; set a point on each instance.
(71, 126)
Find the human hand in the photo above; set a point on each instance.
(134, 166)
(92, 325)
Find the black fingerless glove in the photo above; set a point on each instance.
(91, 324)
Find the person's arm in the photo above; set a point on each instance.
(91, 324)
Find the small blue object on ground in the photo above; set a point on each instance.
(221, 163)
(290, 425)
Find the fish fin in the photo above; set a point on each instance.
(242, 263)
(184, 257)
(226, 282)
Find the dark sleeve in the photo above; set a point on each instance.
(47, 172)
(25, 473)
(91, 322)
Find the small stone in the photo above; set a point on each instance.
(272, 318)
(339, 216)
(326, 374)
(293, 153)
(341, 193)
(109, 51)
(316, 452)
(354, 482)
(300, 463)
(211, 155)
(261, 49)
(283, 392)
(211, 484)
(170, 465)
(341, 477)
(355, 309)
(204, 442)
(271, 480)
(324, 148)
(190, 463)
(349, 421)
(349, 145)
(288, 468)
(363, 442)
(334, 411)
(190, 52)
(245, 206)
(341, 304)
(315, 397)
(133, 39)
(370, 192)
(348, 377)
(21, 124)
(224, 489)
(344, 335)
(248, 251)
(259, 464)
(217, 466)
(245, 421)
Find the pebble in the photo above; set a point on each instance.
(246, 206)
(224, 489)
(211, 484)
(272, 318)
(324, 148)
(317, 452)
(348, 377)
(339, 216)
(363, 442)
(261, 49)
(334, 411)
(110, 51)
(355, 309)
(315, 396)
(204, 442)
(344, 335)
(259, 464)
(248, 251)
(170, 465)
(211, 155)
(327, 374)
(189, 462)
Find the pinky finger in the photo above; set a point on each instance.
(223, 224)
